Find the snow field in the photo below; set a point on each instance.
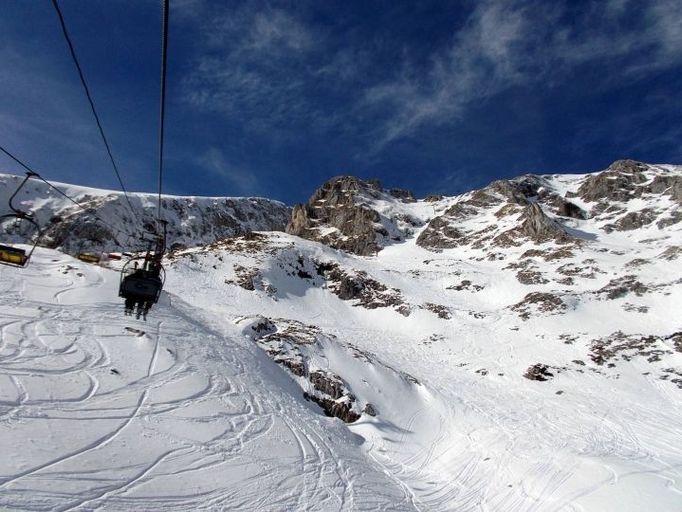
(474, 434)
(102, 411)
(185, 411)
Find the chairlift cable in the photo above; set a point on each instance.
(142, 288)
(162, 106)
(92, 104)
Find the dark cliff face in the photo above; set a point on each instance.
(340, 214)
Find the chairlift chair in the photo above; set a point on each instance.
(91, 248)
(9, 253)
(143, 284)
(88, 257)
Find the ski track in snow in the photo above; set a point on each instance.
(97, 416)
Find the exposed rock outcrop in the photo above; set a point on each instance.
(568, 209)
(540, 228)
(538, 302)
(340, 214)
(530, 277)
(359, 287)
(299, 349)
(619, 345)
(633, 220)
(535, 226)
(620, 287)
(288, 342)
(440, 234)
(539, 372)
(672, 253)
(342, 408)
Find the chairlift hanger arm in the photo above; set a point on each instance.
(29, 175)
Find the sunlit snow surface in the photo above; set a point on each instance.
(185, 411)
(191, 414)
(187, 415)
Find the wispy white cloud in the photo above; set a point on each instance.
(480, 61)
(522, 42)
(241, 180)
(265, 32)
(258, 66)
(269, 67)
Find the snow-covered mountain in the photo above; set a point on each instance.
(518, 347)
(106, 221)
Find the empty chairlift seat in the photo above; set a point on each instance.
(10, 254)
(89, 257)
(13, 255)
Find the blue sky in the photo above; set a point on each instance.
(273, 98)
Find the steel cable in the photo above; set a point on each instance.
(92, 105)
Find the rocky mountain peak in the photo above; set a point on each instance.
(611, 191)
(616, 183)
(343, 188)
(353, 215)
(627, 166)
(462, 223)
(545, 203)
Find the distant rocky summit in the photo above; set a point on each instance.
(610, 191)
(540, 211)
(353, 215)
(361, 217)
(627, 179)
(522, 198)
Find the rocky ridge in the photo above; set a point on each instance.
(192, 221)
(543, 212)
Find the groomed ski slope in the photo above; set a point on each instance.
(101, 411)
